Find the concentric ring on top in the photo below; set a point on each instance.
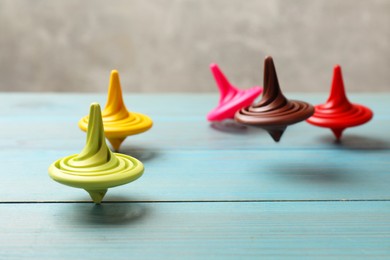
(291, 112)
(340, 117)
(120, 169)
(127, 124)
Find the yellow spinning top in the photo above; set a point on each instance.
(118, 121)
(96, 168)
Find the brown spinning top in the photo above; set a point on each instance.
(274, 112)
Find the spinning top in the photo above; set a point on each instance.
(231, 99)
(118, 121)
(338, 113)
(274, 112)
(96, 168)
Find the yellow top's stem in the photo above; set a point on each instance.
(115, 107)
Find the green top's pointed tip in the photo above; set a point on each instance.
(95, 111)
(95, 131)
(94, 108)
(95, 122)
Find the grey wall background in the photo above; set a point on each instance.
(167, 45)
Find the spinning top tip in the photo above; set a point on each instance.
(276, 133)
(337, 67)
(269, 64)
(337, 133)
(116, 142)
(213, 66)
(97, 195)
(114, 72)
(94, 106)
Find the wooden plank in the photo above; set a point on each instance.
(358, 230)
(215, 175)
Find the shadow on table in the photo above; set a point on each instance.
(141, 153)
(108, 213)
(229, 126)
(232, 127)
(357, 142)
(318, 173)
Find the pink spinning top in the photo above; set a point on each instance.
(231, 98)
(338, 113)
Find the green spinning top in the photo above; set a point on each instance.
(96, 168)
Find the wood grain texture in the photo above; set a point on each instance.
(208, 192)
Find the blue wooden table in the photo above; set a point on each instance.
(208, 191)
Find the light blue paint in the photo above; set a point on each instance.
(306, 196)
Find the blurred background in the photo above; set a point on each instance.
(167, 45)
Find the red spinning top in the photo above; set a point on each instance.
(338, 113)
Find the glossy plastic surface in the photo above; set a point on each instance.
(231, 98)
(338, 113)
(118, 121)
(96, 168)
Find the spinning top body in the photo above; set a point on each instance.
(96, 168)
(231, 99)
(118, 121)
(274, 112)
(338, 113)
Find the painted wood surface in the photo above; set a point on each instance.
(187, 159)
(256, 230)
(216, 175)
(217, 191)
(179, 124)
